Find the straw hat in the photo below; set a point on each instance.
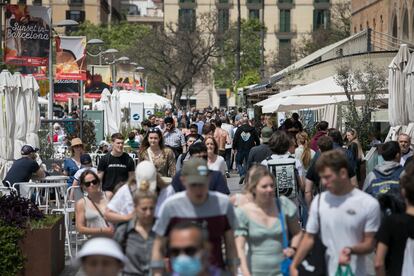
(76, 142)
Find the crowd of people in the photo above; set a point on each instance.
(306, 206)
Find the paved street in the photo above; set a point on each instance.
(72, 270)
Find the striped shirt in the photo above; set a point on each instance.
(174, 138)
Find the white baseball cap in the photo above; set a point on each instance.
(146, 171)
(103, 247)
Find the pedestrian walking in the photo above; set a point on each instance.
(211, 209)
(345, 218)
(260, 225)
(154, 150)
(396, 235)
(245, 139)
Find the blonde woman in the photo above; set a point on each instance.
(261, 228)
(136, 236)
(303, 152)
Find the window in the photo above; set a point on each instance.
(78, 16)
(284, 21)
(223, 1)
(76, 2)
(254, 14)
(187, 1)
(321, 1)
(223, 20)
(320, 19)
(187, 19)
(130, 9)
(223, 100)
(284, 52)
(285, 1)
(21, 2)
(37, 2)
(254, 1)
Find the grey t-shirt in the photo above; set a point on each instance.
(216, 215)
(344, 220)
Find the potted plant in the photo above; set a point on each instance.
(31, 243)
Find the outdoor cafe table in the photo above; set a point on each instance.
(37, 187)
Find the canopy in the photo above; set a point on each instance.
(116, 108)
(303, 102)
(149, 99)
(7, 111)
(397, 109)
(20, 127)
(110, 126)
(33, 111)
(409, 88)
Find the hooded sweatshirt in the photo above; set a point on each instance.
(386, 168)
(245, 138)
(315, 138)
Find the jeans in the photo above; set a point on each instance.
(241, 161)
(227, 157)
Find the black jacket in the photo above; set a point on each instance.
(245, 138)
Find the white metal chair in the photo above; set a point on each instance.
(6, 190)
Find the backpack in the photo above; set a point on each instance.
(382, 184)
(286, 175)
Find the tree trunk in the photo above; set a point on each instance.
(177, 96)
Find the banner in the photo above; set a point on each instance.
(71, 58)
(27, 35)
(98, 78)
(125, 76)
(64, 89)
(137, 113)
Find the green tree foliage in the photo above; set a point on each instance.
(225, 67)
(368, 81)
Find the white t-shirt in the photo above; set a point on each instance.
(218, 165)
(344, 221)
(123, 203)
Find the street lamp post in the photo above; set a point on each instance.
(99, 43)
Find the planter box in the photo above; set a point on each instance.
(44, 250)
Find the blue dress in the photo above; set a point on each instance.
(70, 166)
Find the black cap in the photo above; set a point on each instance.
(85, 159)
(28, 149)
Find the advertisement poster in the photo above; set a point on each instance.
(125, 76)
(71, 58)
(27, 35)
(148, 112)
(64, 89)
(98, 78)
(137, 113)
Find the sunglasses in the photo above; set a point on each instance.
(88, 183)
(154, 130)
(189, 251)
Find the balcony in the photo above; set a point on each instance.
(285, 32)
(151, 15)
(322, 4)
(285, 5)
(76, 2)
(224, 4)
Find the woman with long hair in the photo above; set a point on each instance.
(358, 153)
(239, 199)
(121, 207)
(136, 236)
(73, 164)
(260, 226)
(303, 152)
(215, 162)
(89, 210)
(153, 150)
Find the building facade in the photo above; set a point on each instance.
(95, 11)
(286, 21)
(386, 18)
(143, 11)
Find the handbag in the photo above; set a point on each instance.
(284, 266)
(314, 263)
(344, 271)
